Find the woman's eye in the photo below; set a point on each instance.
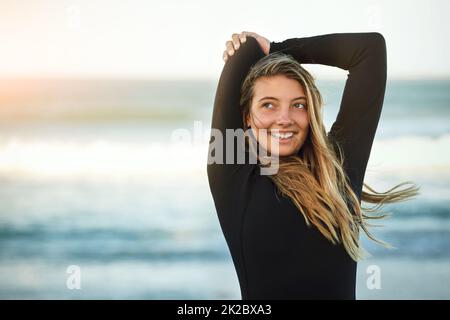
(299, 104)
(265, 105)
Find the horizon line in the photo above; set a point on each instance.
(198, 79)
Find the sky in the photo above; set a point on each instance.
(185, 39)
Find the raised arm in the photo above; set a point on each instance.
(364, 56)
(227, 113)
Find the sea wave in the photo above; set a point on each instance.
(53, 157)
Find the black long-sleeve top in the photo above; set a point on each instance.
(275, 254)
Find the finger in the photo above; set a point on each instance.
(236, 42)
(251, 34)
(230, 48)
(225, 56)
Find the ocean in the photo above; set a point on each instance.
(109, 177)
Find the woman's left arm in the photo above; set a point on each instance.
(364, 56)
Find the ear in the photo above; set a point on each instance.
(247, 120)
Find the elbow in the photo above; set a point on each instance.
(377, 39)
(377, 52)
(376, 43)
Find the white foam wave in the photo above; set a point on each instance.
(45, 157)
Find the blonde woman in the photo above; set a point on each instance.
(295, 234)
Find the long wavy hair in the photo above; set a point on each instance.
(314, 179)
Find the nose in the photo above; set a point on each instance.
(284, 117)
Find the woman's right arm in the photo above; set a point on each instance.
(223, 167)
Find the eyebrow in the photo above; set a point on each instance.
(273, 98)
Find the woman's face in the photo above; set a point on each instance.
(279, 106)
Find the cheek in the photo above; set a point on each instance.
(261, 136)
(263, 118)
(302, 121)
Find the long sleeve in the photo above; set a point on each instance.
(364, 56)
(227, 115)
(229, 181)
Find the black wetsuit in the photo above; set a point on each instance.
(275, 254)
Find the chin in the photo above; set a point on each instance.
(285, 151)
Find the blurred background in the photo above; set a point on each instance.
(105, 110)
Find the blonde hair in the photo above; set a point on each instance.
(314, 179)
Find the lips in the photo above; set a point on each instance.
(281, 135)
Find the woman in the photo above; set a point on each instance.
(295, 234)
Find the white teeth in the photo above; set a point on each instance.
(282, 135)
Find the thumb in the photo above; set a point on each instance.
(264, 44)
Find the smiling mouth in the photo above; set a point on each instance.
(282, 137)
